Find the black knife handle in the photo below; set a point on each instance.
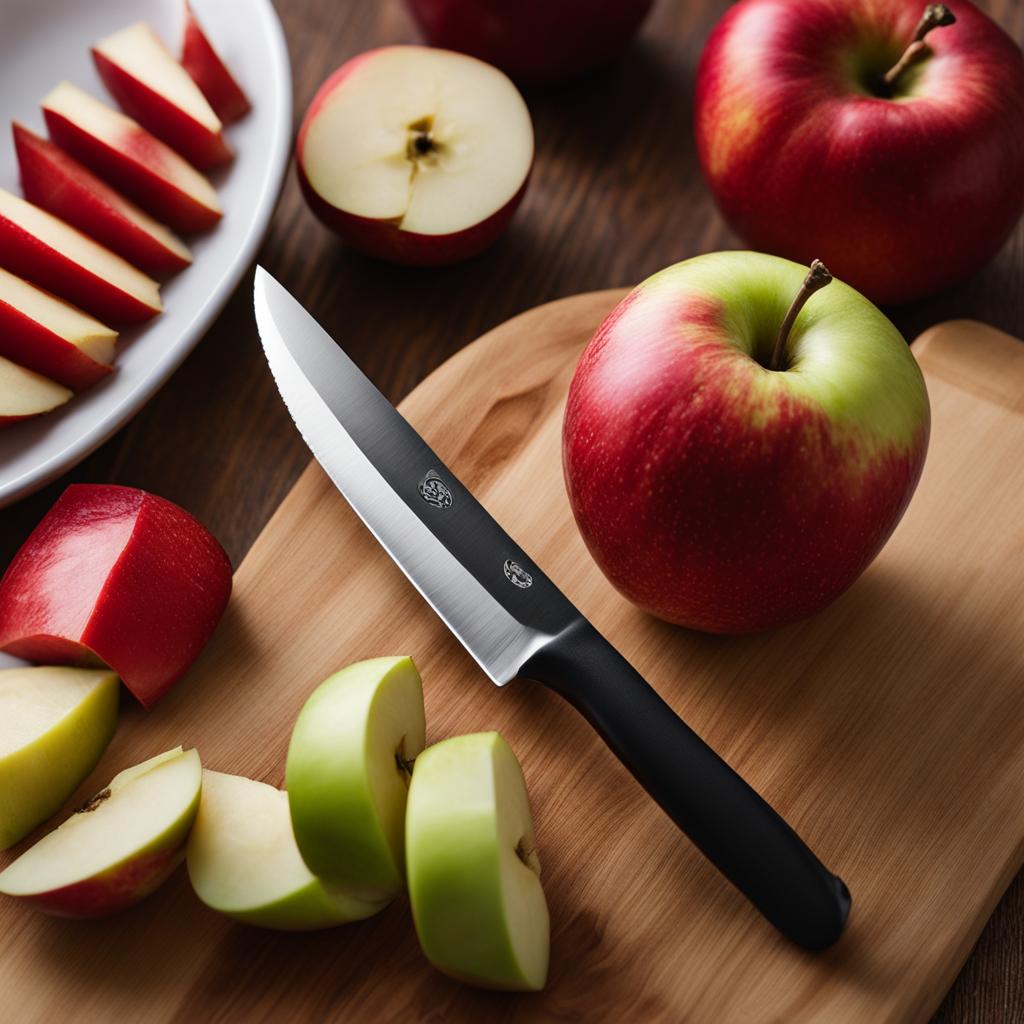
(726, 819)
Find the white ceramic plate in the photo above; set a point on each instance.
(45, 41)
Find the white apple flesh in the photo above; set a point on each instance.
(24, 393)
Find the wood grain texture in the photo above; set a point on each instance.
(616, 194)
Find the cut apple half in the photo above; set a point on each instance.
(117, 847)
(55, 722)
(24, 393)
(153, 87)
(205, 67)
(243, 861)
(135, 162)
(474, 875)
(349, 764)
(416, 155)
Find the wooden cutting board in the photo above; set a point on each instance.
(889, 730)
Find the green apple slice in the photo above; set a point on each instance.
(243, 861)
(118, 846)
(474, 875)
(55, 723)
(348, 773)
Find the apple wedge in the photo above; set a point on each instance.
(42, 248)
(347, 776)
(60, 184)
(474, 876)
(24, 393)
(55, 723)
(124, 154)
(117, 847)
(243, 861)
(151, 86)
(51, 337)
(208, 71)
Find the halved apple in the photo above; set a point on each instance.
(243, 861)
(117, 847)
(416, 155)
(42, 248)
(208, 71)
(55, 722)
(474, 875)
(24, 393)
(348, 772)
(57, 182)
(156, 90)
(138, 164)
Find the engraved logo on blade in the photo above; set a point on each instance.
(434, 491)
(517, 574)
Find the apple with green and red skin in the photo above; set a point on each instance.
(721, 494)
(900, 187)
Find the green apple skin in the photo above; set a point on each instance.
(72, 720)
(346, 784)
(473, 871)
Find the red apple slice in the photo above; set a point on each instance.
(36, 245)
(24, 393)
(59, 183)
(45, 334)
(208, 71)
(123, 153)
(156, 90)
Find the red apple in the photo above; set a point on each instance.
(733, 468)
(38, 246)
(124, 154)
(902, 186)
(45, 334)
(415, 155)
(59, 183)
(537, 42)
(119, 575)
(24, 393)
(208, 71)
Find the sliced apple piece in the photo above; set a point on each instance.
(55, 722)
(348, 772)
(57, 182)
(117, 847)
(24, 393)
(474, 875)
(124, 154)
(151, 86)
(204, 65)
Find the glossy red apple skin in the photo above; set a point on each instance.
(208, 71)
(119, 575)
(899, 199)
(535, 42)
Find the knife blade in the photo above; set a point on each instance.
(516, 623)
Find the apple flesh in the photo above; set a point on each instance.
(243, 861)
(55, 722)
(902, 189)
(24, 393)
(116, 848)
(58, 183)
(117, 575)
(208, 71)
(136, 163)
(349, 765)
(45, 334)
(416, 155)
(474, 874)
(152, 87)
(721, 494)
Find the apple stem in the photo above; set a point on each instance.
(403, 764)
(817, 277)
(935, 16)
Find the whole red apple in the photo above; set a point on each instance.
(819, 140)
(734, 458)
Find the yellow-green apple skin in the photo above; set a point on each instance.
(55, 723)
(474, 874)
(243, 861)
(116, 848)
(348, 772)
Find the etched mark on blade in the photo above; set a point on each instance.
(434, 491)
(516, 574)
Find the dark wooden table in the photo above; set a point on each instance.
(616, 195)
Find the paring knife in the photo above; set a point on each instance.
(515, 622)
